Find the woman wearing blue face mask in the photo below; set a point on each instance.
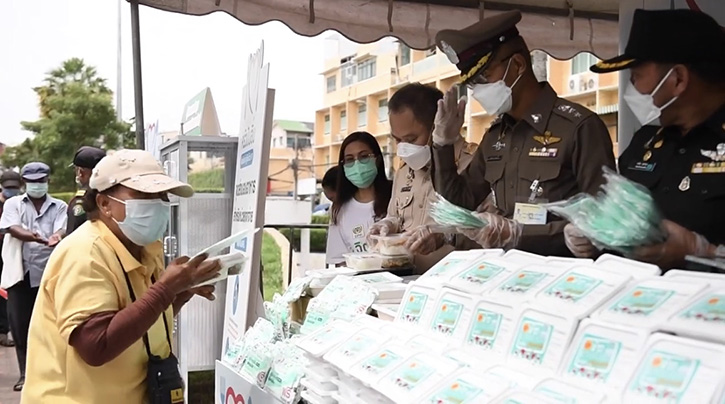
(363, 194)
(101, 327)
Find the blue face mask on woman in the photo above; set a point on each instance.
(146, 220)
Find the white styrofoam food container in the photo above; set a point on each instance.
(449, 266)
(540, 341)
(482, 275)
(580, 290)
(627, 267)
(451, 314)
(649, 302)
(523, 284)
(413, 376)
(523, 257)
(517, 378)
(712, 278)
(524, 397)
(602, 355)
(490, 330)
(356, 346)
(380, 362)
(323, 339)
(676, 369)
(416, 305)
(465, 386)
(568, 393)
(702, 318)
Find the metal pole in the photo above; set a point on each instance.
(119, 64)
(137, 85)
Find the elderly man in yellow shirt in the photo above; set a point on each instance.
(101, 327)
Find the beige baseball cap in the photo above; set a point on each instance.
(138, 170)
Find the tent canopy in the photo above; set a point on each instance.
(561, 28)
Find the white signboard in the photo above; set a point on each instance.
(244, 298)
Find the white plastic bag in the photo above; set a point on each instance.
(12, 254)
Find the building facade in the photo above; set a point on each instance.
(359, 80)
(291, 156)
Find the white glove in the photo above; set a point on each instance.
(422, 240)
(498, 233)
(389, 225)
(577, 243)
(449, 118)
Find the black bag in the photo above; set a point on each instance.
(163, 380)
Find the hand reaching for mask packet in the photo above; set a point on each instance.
(498, 233)
(679, 243)
(578, 244)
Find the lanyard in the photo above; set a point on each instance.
(163, 314)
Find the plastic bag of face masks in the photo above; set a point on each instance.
(622, 216)
(451, 216)
(287, 370)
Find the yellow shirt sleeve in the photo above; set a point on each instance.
(85, 285)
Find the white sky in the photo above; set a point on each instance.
(180, 56)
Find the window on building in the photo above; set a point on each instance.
(327, 124)
(343, 121)
(291, 142)
(362, 114)
(348, 72)
(405, 53)
(383, 110)
(366, 69)
(581, 63)
(332, 83)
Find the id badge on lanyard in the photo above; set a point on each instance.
(531, 212)
(163, 379)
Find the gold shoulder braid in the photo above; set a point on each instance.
(474, 70)
(604, 65)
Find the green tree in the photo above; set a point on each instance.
(76, 109)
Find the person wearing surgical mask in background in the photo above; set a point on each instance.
(677, 92)
(38, 220)
(102, 326)
(84, 161)
(540, 148)
(411, 112)
(362, 195)
(10, 182)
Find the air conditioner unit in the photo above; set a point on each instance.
(571, 85)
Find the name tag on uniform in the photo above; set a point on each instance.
(405, 189)
(529, 213)
(543, 152)
(642, 166)
(713, 167)
(494, 158)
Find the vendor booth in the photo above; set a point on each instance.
(547, 329)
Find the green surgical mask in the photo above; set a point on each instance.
(362, 174)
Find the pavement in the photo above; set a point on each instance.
(8, 376)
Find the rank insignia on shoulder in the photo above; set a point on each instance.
(715, 155)
(78, 210)
(569, 110)
(543, 152)
(708, 168)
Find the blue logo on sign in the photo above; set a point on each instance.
(241, 245)
(247, 158)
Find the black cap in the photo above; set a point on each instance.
(35, 171)
(88, 157)
(669, 36)
(10, 179)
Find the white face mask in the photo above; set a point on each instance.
(495, 98)
(415, 156)
(36, 190)
(146, 220)
(643, 105)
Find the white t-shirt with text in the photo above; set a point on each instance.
(349, 234)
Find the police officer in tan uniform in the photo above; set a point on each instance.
(84, 161)
(412, 109)
(541, 148)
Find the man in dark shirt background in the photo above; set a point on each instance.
(84, 162)
(10, 183)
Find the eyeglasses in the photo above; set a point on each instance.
(482, 76)
(363, 157)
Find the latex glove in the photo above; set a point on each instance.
(499, 233)
(680, 243)
(389, 225)
(487, 205)
(449, 118)
(577, 243)
(422, 240)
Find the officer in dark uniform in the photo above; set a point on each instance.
(84, 162)
(541, 148)
(677, 92)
